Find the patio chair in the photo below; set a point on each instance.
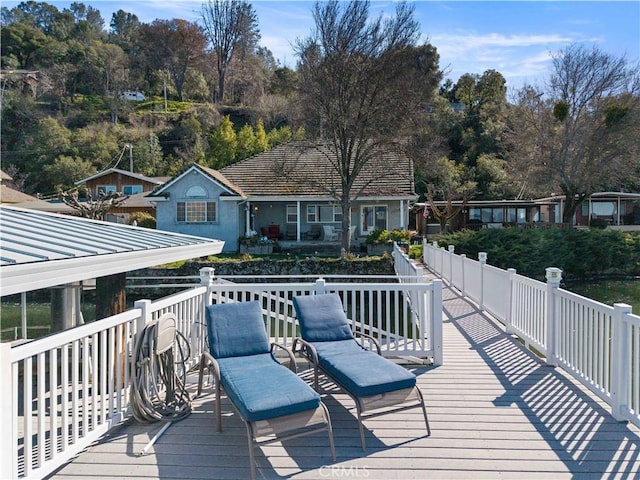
(274, 403)
(330, 233)
(314, 233)
(291, 233)
(372, 381)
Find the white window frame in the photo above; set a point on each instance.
(367, 228)
(292, 214)
(197, 211)
(315, 212)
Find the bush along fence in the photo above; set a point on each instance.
(597, 344)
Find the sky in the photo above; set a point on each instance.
(516, 38)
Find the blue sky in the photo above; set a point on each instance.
(516, 38)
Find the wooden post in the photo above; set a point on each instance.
(111, 297)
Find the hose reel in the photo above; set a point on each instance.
(159, 379)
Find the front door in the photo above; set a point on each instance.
(373, 217)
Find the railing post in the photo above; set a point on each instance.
(145, 316)
(508, 304)
(620, 361)
(482, 258)
(321, 287)
(8, 415)
(436, 322)
(554, 276)
(451, 249)
(206, 279)
(463, 258)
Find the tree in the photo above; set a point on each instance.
(449, 181)
(228, 25)
(223, 145)
(585, 133)
(175, 45)
(365, 82)
(94, 208)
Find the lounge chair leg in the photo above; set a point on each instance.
(330, 431)
(218, 407)
(424, 411)
(203, 362)
(252, 466)
(361, 427)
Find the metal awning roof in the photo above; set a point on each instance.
(40, 249)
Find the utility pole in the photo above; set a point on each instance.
(130, 147)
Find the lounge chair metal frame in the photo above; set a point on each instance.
(276, 429)
(391, 402)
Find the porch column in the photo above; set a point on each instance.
(247, 219)
(298, 220)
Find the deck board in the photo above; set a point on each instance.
(496, 412)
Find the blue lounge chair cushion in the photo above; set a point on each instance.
(261, 388)
(322, 318)
(236, 329)
(361, 372)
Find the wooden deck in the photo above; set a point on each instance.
(495, 410)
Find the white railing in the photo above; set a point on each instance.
(62, 392)
(598, 344)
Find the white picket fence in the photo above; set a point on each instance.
(596, 343)
(62, 392)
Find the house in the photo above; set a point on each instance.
(617, 210)
(290, 193)
(133, 96)
(134, 185)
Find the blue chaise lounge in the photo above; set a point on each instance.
(274, 403)
(374, 382)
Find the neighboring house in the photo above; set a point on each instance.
(134, 185)
(289, 193)
(10, 195)
(618, 210)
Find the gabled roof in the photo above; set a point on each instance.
(11, 195)
(305, 168)
(40, 250)
(214, 175)
(137, 176)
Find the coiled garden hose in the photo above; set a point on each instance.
(158, 384)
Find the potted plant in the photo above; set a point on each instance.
(381, 241)
(256, 245)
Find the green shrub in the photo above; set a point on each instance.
(581, 254)
(388, 236)
(142, 219)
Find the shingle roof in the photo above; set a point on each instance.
(10, 195)
(304, 168)
(138, 176)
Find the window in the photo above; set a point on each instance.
(292, 214)
(196, 191)
(196, 212)
(373, 218)
(131, 189)
(107, 189)
(324, 214)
